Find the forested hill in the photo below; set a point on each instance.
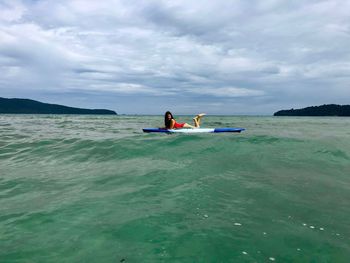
(324, 110)
(26, 106)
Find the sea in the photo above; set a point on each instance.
(88, 188)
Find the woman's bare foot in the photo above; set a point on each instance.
(197, 119)
(200, 115)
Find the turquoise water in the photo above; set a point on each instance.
(97, 189)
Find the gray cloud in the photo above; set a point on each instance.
(246, 57)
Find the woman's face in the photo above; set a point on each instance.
(168, 116)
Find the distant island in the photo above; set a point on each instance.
(26, 106)
(323, 110)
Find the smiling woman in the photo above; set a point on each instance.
(170, 122)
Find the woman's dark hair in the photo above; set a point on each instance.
(167, 121)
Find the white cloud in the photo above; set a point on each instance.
(227, 92)
(11, 10)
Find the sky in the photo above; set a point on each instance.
(233, 57)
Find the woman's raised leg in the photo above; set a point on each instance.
(197, 120)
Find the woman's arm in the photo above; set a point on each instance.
(172, 124)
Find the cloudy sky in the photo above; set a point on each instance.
(146, 57)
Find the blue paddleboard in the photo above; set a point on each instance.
(197, 130)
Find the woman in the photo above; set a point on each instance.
(170, 122)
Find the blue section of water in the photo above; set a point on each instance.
(96, 188)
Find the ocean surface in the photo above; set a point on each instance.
(96, 189)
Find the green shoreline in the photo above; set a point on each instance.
(27, 106)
